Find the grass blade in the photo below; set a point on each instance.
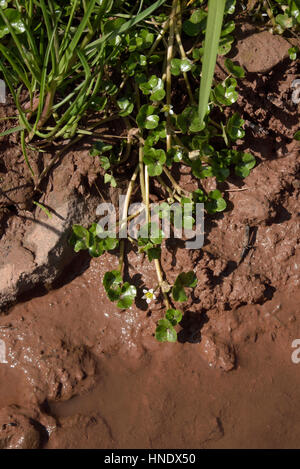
(8, 55)
(135, 19)
(42, 207)
(66, 60)
(22, 116)
(212, 37)
(11, 131)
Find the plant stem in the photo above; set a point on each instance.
(147, 193)
(127, 197)
(131, 217)
(211, 121)
(141, 165)
(183, 55)
(168, 73)
(174, 183)
(159, 37)
(123, 221)
(160, 282)
(141, 149)
(168, 189)
(156, 261)
(121, 256)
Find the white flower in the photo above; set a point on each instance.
(168, 110)
(149, 295)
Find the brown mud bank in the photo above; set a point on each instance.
(76, 372)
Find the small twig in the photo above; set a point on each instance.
(183, 56)
(168, 189)
(238, 190)
(247, 244)
(176, 186)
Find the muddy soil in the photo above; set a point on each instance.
(77, 372)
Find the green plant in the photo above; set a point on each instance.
(151, 59)
(69, 76)
(165, 331)
(50, 52)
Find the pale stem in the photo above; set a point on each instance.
(123, 221)
(168, 73)
(174, 183)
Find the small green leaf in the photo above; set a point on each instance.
(149, 235)
(14, 18)
(96, 249)
(147, 117)
(245, 163)
(189, 120)
(112, 279)
(235, 70)
(79, 246)
(225, 93)
(225, 44)
(80, 231)
(108, 178)
(297, 135)
(154, 86)
(199, 196)
(165, 332)
(109, 244)
(174, 316)
(105, 163)
(155, 135)
(126, 106)
(154, 253)
(185, 279)
(234, 127)
(127, 295)
(113, 26)
(293, 51)
(215, 202)
(197, 53)
(228, 28)
(284, 21)
(230, 7)
(99, 148)
(110, 88)
(195, 24)
(154, 159)
(179, 66)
